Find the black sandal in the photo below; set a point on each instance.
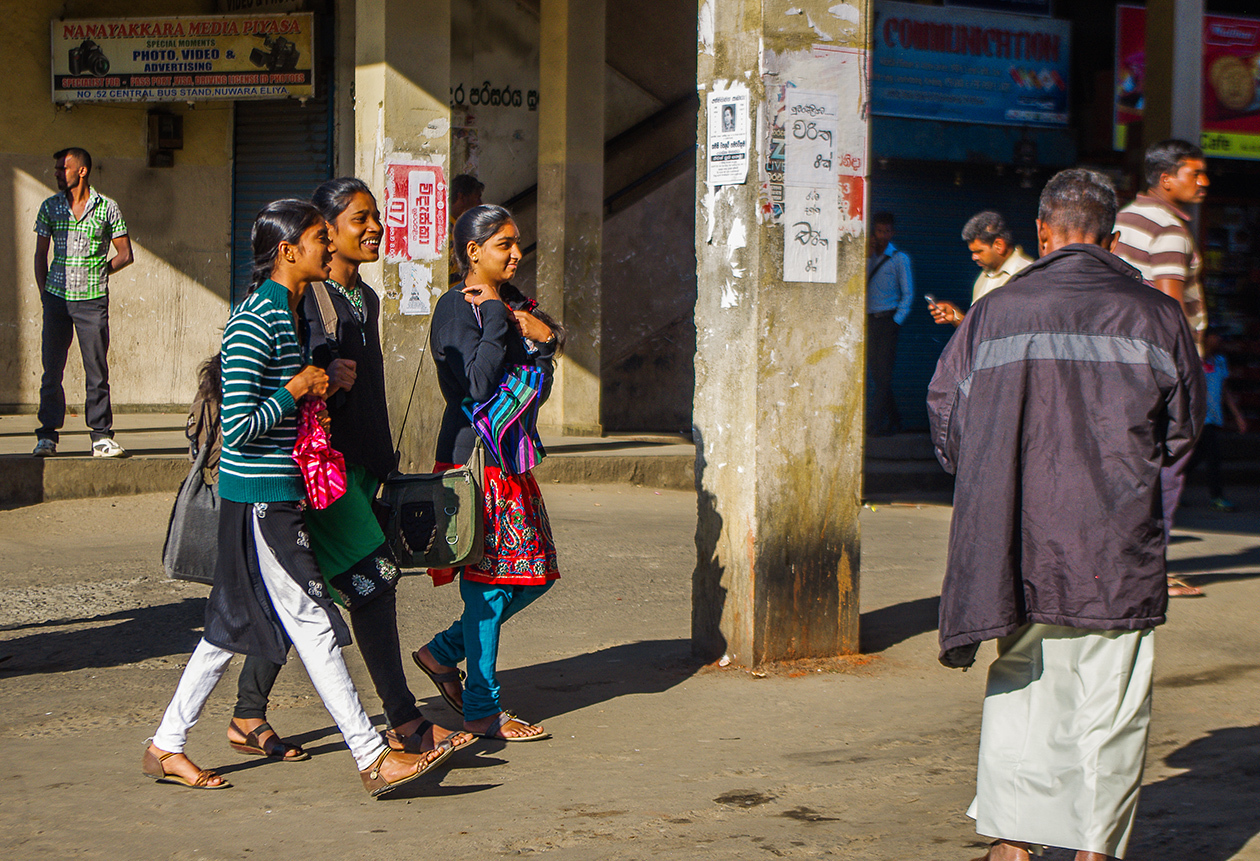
(440, 679)
(278, 750)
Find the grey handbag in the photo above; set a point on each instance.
(192, 536)
(434, 520)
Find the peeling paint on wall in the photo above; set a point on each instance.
(437, 128)
(705, 30)
(735, 240)
(846, 12)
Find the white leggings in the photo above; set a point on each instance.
(308, 627)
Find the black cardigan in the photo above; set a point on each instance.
(471, 359)
(360, 416)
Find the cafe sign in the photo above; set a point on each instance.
(183, 58)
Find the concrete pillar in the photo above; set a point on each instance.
(402, 114)
(779, 363)
(571, 204)
(1174, 71)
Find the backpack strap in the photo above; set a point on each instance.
(327, 313)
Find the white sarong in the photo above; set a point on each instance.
(1063, 737)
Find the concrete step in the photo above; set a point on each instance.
(901, 465)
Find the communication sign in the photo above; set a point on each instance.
(1231, 81)
(946, 63)
(183, 58)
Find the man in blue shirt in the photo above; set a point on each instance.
(889, 294)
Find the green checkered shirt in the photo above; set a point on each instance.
(80, 246)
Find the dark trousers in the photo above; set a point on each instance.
(375, 626)
(1207, 451)
(63, 321)
(881, 353)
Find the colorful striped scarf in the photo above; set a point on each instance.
(508, 422)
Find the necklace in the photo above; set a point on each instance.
(354, 295)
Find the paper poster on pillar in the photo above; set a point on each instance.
(809, 233)
(413, 295)
(811, 191)
(415, 211)
(728, 138)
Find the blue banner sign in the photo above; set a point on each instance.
(938, 63)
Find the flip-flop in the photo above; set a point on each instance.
(152, 767)
(414, 743)
(440, 679)
(1178, 588)
(376, 784)
(252, 746)
(507, 717)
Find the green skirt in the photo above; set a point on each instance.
(349, 545)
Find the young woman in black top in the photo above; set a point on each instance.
(482, 327)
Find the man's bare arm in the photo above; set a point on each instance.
(122, 257)
(41, 261)
(1172, 288)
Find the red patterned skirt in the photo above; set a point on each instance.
(519, 549)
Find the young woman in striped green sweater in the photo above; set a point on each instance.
(268, 590)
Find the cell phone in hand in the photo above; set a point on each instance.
(931, 300)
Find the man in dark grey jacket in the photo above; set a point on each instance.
(1056, 403)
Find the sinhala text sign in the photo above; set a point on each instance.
(183, 58)
(938, 63)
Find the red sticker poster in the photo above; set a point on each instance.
(415, 211)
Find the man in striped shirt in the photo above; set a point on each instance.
(1155, 234)
(1156, 239)
(80, 224)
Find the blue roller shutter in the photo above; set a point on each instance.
(931, 209)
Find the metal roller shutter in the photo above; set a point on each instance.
(931, 209)
(283, 149)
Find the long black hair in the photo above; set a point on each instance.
(210, 379)
(278, 221)
(332, 197)
(477, 226)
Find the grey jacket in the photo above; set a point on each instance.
(1055, 404)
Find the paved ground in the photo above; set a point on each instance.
(655, 756)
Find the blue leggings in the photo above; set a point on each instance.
(475, 636)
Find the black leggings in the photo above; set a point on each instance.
(375, 626)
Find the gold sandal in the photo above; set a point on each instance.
(152, 767)
(376, 784)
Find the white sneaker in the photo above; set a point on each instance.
(107, 448)
(45, 448)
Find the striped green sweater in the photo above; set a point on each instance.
(260, 354)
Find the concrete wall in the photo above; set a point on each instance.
(649, 311)
(167, 309)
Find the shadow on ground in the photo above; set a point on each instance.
(881, 629)
(1209, 812)
(541, 691)
(110, 640)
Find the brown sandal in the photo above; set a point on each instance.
(152, 767)
(376, 784)
(414, 743)
(252, 746)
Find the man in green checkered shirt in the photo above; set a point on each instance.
(80, 224)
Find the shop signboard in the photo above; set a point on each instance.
(947, 63)
(1231, 81)
(183, 58)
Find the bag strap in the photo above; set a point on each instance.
(879, 265)
(424, 343)
(327, 313)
